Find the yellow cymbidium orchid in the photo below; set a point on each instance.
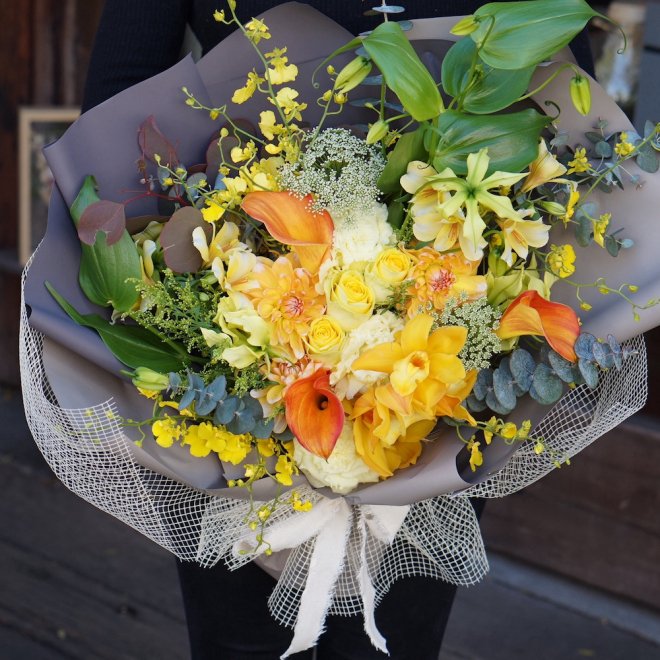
(426, 379)
(418, 356)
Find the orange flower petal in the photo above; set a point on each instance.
(531, 314)
(291, 221)
(314, 413)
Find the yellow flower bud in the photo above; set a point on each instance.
(585, 306)
(331, 70)
(553, 208)
(150, 380)
(327, 95)
(509, 431)
(581, 94)
(377, 131)
(353, 74)
(214, 114)
(465, 26)
(633, 287)
(340, 98)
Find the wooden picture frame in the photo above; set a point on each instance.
(37, 127)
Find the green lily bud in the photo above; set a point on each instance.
(553, 208)
(581, 94)
(150, 380)
(377, 131)
(353, 74)
(465, 26)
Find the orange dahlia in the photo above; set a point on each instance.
(436, 277)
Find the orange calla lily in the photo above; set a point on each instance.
(290, 220)
(314, 413)
(531, 314)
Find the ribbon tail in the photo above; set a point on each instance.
(325, 566)
(369, 593)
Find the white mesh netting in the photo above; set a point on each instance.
(439, 538)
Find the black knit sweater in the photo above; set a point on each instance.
(138, 39)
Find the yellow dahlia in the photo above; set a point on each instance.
(287, 299)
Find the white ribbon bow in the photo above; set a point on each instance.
(330, 523)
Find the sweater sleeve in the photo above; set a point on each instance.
(135, 40)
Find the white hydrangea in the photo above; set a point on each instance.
(379, 329)
(342, 472)
(361, 235)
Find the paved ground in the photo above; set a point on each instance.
(79, 585)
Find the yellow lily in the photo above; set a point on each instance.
(545, 169)
(472, 192)
(520, 235)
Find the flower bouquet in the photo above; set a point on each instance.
(339, 292)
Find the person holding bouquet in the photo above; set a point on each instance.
(226, 610)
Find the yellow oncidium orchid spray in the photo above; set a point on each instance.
(472, 192)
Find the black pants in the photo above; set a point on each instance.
(228, 618)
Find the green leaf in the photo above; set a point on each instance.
(403, 71)
(512, 139)
(492, 90)
(612, 246)
(515, 35)
(133, 345)
(409, 147)
(583, 230)
(603, 149)
(105, 269)
(648, 159)
(396, 214)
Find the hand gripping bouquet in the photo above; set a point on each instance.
(314, 301)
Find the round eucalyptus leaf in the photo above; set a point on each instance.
(603, 355)
(589, 372)
(475, 405)
(483, 384)
(562, 367)
(584, 346)
(522, 366)
(503, 386)
(495, 405)
(546, 387)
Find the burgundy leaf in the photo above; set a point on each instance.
(152, 142)
(179, 252)
(105, 216)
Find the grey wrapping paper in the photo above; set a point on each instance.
(103, 142)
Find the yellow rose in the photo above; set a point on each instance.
(390, 268)
(350, 299)
(325, 337)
